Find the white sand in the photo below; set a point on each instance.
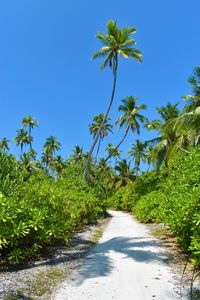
(127, 264)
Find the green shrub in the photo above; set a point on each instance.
(171, 196)
(149, 209)
(117, 200)
(45, 210)
(182, 205)
(126, 197)
(10, 177)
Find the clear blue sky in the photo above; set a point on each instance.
(46, 71)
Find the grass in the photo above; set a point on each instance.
(46, 280)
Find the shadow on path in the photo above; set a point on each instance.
(99, 263)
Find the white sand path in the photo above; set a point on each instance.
(126, 264)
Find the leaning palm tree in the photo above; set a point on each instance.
(4, 144)
(116, 42)
(94, 127)
(30, 123)
(22, 138)
(137, 151)
(52, 145)
(131, 118)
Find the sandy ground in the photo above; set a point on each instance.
(127, 263)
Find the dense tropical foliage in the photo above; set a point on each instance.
(43, 200)
(170, 192)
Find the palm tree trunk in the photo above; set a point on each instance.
(46, 168)
(137, 171)
(30, 138)
(116, 147)
(21, 149)
(104, 119)
(98, 148)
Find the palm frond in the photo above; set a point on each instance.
(98, 54)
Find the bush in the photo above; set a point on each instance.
(172, 197)
(45, 211)
(126, 197)
(10, 177)
(182, 205)
(149, 209)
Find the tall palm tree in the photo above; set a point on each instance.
(94, 127)
(131, 118)
(137, 151)
(22, 138)
(52, 145)
(30, 123)
(4, 144)
(116, 42)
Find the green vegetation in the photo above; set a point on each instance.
(38, 209)
(171, 192)
(44, 200)
(170, 196)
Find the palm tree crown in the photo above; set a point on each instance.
(77, 153)
(138, 152)
(30, 123)
(168, 138)
(125, 174)
(94, 127)
(193, 100)
(4, 144)
(117, 42)
(51, 145)
(131, 116)
(58, 164)
(22, 138)
(113, 151)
